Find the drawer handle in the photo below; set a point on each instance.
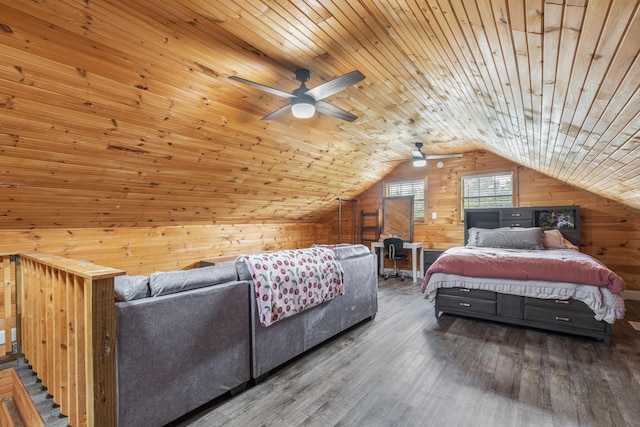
(464, 290)
(516, 214)
(515, 225)
(561, 301)
(465, 304)
(564, 319)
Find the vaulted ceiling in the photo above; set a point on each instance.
(121, 112)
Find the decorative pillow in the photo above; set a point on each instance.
(512, 238)
(170, 282)
(553, 239)
(569, 245)
(129, 288)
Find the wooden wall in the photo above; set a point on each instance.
(143, 250)
(610, 231)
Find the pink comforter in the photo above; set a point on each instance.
(288, 282)
(563, 265)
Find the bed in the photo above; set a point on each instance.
(523, 266)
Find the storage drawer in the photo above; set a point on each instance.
(468, 293)
(515, 222)
(568, 318)
(516, 214)
(471, 305)
(570, 304)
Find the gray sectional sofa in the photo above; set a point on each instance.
(185, 342)
(186, 337)
(282, 341)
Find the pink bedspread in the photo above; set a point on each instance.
(288, 282)
(562, 265)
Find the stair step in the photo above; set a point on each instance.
(17, 408)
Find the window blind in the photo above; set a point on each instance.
(487, 191)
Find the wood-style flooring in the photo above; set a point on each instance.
(407, 368)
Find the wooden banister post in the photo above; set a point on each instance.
(101, 352)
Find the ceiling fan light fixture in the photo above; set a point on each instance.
(419, 159)
(419, 162)
(303, 107)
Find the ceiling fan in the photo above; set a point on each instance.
(420, 159)
(304, 101)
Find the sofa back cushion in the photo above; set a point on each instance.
(343, 252)
(129, 288)
(170, 282)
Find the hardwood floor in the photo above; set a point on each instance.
(407, 368)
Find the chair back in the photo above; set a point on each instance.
(392, 245)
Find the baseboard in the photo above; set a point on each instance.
(633, 295)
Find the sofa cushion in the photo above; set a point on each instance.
(346, 251)
(243, 269)
(129, 288)
(169, 282)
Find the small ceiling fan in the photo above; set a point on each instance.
(304, 101)
(420, 159)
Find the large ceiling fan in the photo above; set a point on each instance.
(304, 101)
(420, 159)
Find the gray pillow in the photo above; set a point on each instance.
(170, 282)
(512, 238)
(129, 288)
(473, 234)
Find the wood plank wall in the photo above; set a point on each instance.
(143, 250)
(610, 231)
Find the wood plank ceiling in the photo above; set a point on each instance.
(120, 112)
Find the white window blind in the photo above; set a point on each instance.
(487, 191)
(409, 188)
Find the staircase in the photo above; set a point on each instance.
(16, 407)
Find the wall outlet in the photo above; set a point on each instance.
(434, 215)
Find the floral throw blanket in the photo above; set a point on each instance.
(288, 282)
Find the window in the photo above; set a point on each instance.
(409, 188)
(487, 191)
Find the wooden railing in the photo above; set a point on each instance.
(67, 330)
(8, 302)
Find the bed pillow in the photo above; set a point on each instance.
(129, 288)
(553, 239)
(512, 238)
(473, 234)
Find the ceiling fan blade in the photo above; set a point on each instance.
(271, 90)
(332, 110)
(442, 156)
(336, 85)
(278, 112)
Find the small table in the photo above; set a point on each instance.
(217, 260)
(414, 246)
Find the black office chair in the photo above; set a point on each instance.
(393, 247)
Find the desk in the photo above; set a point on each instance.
(414, 258)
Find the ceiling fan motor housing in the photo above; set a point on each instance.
(303, 75)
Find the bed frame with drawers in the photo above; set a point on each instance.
(568, 316)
